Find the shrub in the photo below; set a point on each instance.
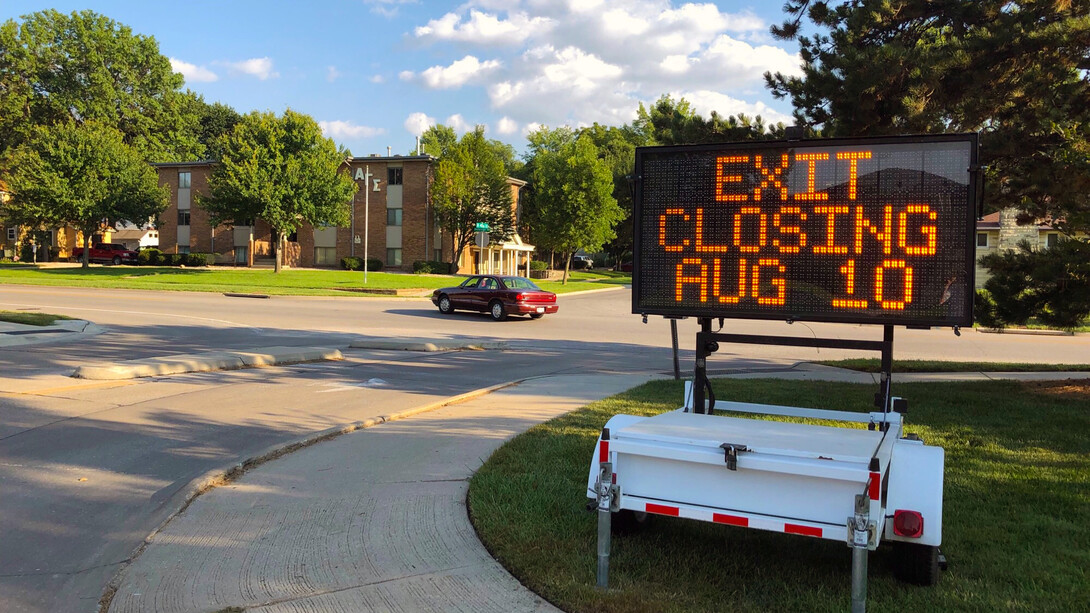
(149, 257)
(374, 264)
(984, 310)
(431, 267)
(352, 263)
(200, 259)
(538, 265)
(170, 259)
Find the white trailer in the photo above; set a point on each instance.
(848, 483)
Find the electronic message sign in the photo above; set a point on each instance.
(863, 230)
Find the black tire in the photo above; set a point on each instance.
(117, 260)
(446, 307)
(916, 564)
(536, 315)
(625, 522)
(496, 310)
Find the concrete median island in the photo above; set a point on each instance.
(203, 362)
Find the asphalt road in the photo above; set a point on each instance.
(87, 470)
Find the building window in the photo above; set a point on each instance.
(12, 234)
(393, 176)
(242, 255)
(183, 217)
(393, 257)
(184, 179)
(325, 256)
(1052, 239)
(438, 255)
(183, 248)
(981, 239)
(393, 217)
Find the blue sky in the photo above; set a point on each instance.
(375, 73)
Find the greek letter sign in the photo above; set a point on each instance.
(863, 230)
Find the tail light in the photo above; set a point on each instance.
(520, 296)
(907, 523)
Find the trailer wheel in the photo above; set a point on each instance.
(626, 522)
(916, 564)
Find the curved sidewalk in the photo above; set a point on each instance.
(371, 521)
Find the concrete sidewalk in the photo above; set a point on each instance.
(373, 520)
(376, 520)
(67, 330)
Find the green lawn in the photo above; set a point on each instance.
(241, 280)
(30, 318)
(1016, 526)
(874, 365)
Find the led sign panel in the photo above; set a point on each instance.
(864, 230)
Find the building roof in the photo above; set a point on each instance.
(183, 164)
(131, 233)
(991, 222)
(374, 157)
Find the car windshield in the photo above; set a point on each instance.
(519, 283)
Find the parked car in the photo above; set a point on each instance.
(626, 267)
(582, 262)
(113, 253)
(499, 296)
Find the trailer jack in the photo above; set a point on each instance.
(860, 533)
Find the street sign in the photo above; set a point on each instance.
(482, 239)
(482, 226)
(859, 231)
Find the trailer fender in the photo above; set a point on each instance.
(615, 423)
(915, 484)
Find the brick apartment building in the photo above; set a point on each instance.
(392, 210)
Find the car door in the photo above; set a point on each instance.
(463, 297)
(487, 290)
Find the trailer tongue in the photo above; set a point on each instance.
(785, 231)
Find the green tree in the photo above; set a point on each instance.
(470, 186)
(674, 122)
(1016, 71)
(438, 140)
(1052, 285)
(573, 193)
(84, 176)
(617, 147)
(216, 121)
(281, 170)
(85, 67)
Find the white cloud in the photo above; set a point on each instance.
(347, 129)
(418, 123)
(332, 74)
(192, 72)
(260, 67)
(482, 28)
(458, 123)
(406, 75)
(575, 62)
(459, 73)
(507, 126)
(387, 8)
(378, 79)
(705, 101)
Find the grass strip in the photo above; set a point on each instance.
(1016, 526)
(30, 318)
(901, 366)
(231, 280)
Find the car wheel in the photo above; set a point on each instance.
(497, 311)
(117, 260)
(445, 306)
(536, 315)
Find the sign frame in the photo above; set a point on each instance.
(964, 318)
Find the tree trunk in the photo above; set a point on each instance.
(86, 255)
(280, 236)
(567, 265)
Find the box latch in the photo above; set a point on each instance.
(730, 454)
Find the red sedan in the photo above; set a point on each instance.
(497, 296)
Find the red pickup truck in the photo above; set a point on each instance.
(106, 252)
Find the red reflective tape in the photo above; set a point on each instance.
(730, 520)
(875, 486)
(662, 509)
(603, 451)
(614, 478)
(803, 530)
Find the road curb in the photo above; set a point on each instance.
(205, 362)
(218, 477)
(427, 345)
(242, 295)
